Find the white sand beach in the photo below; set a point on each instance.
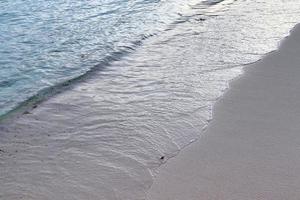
(251, 149)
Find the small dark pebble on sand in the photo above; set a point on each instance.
(162, 157)
(200, 19)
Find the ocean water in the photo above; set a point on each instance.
(43, 43)
(139, 81)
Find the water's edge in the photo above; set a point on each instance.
(203, 130)
(238, 170)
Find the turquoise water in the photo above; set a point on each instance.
(43, 43)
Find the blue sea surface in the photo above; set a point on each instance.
(43, 43)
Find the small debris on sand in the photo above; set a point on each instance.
(26, 113)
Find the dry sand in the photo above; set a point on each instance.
(251, 149)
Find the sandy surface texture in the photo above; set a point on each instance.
(251, 149)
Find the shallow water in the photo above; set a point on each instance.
(43, 43)
(106, 135)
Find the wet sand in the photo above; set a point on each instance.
(251, 149)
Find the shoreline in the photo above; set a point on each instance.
(107, 136)
(250, 148)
